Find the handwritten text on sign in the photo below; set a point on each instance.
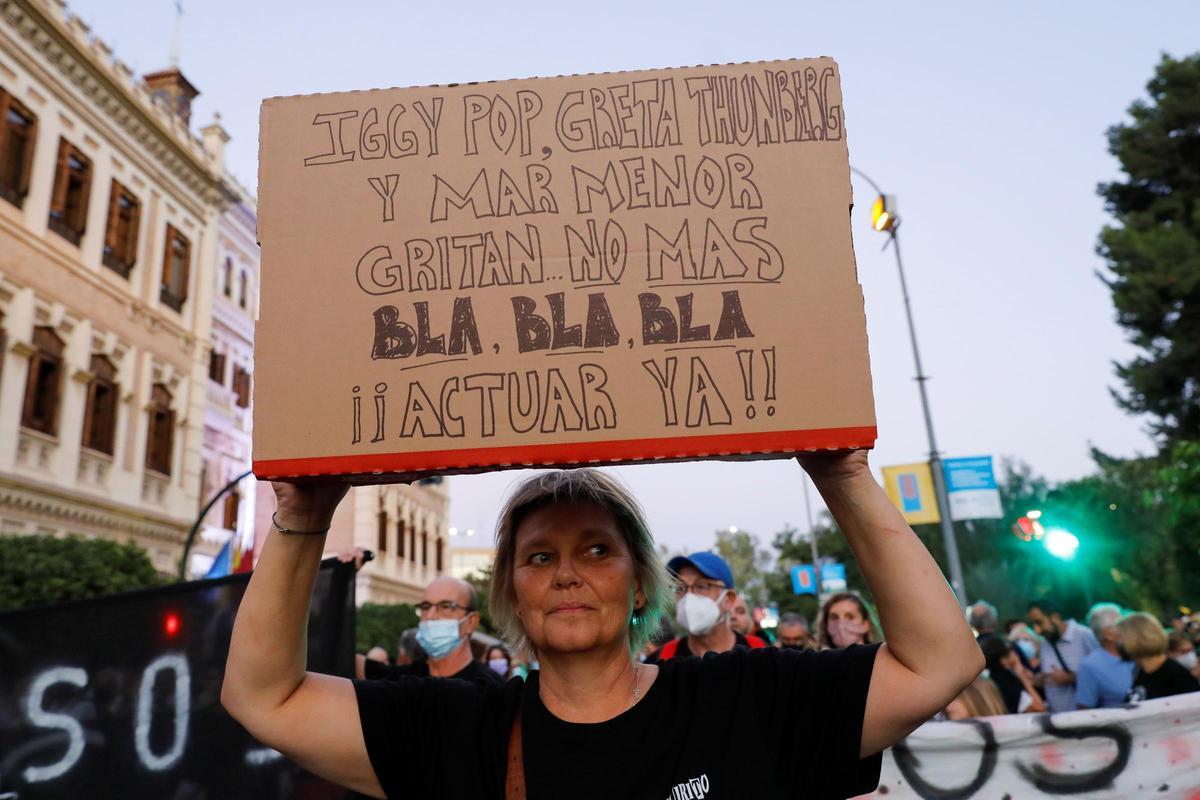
(641, 228)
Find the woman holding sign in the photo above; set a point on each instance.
(577, 582)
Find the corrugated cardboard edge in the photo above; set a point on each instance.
(372, 468)
(553, 77)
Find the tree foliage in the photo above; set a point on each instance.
(1153, 252)
(482, 581)
(38, 570)
(746, 561)
(382, 624)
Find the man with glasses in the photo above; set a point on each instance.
(448, 618)
(703, 598)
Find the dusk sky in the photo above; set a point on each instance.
(987, 123)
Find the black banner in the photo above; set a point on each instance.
(119, 697)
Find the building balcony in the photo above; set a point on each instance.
(94, 468)
(170, 299)
(154, 488)
(36, 450)
(60, 226)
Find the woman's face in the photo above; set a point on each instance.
(496, 653)
(846, 624)
(573, 576)
(845, 610)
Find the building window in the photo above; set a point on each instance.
(243, 288)
(381, 527)
(121, 232)
(424, 549)
(160, 434)
(439, 555)
(176, 261)
(241, 386)
(232, 501)
(72, 186)
(227, 277)
(18, 131)
(400, 534)
(216, 367)
(412, 544)
(100, 414)
(44, 384)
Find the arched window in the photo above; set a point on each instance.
(424, 549)
(401, 533)
(439, 554)
(243, 288)
(227, 278)
(232, 500)
(160, 434)
(382, 537)
(177, 258)
(100, 414)
(44, 384)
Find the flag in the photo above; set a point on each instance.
(243, 557)
(223, 564)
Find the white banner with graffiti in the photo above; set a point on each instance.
(1151, 750)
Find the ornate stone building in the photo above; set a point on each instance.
(109, 232)
(227, 412)
(128, 293)
(404, 526)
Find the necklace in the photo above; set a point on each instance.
(637, 689)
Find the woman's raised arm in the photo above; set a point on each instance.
(930, 654)
(312, 719)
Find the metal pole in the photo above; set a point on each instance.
(935, 458)
(187, 546)
(812, 540)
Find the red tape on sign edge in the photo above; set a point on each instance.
(574, 453)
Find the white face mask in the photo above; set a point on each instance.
(697, 614)
(1187, 660)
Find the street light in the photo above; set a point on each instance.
(885, 220)
(1061, 543)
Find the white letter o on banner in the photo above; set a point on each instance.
(145, 705)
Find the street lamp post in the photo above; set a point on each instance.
(884, 219)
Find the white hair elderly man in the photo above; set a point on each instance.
(1104, 678)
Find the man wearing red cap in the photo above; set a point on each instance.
(703, 596)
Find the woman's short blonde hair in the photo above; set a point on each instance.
(578, 486)
(1141, 636)
(982, 699)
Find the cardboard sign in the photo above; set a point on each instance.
(585, 269)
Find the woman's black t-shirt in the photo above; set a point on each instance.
(1168, 680)
(747, 723)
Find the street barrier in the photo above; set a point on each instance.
(1151, 750)
(119, 697)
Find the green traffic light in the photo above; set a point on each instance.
(1061, 543)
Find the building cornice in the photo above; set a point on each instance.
(85, 62)
(32, 498)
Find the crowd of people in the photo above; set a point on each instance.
(1043, 662)
(578, 596)
(1049, 662)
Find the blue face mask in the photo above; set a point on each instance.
(439, 637)
(1027, 648)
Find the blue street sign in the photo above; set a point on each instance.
(833, 578)
(803, 580)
